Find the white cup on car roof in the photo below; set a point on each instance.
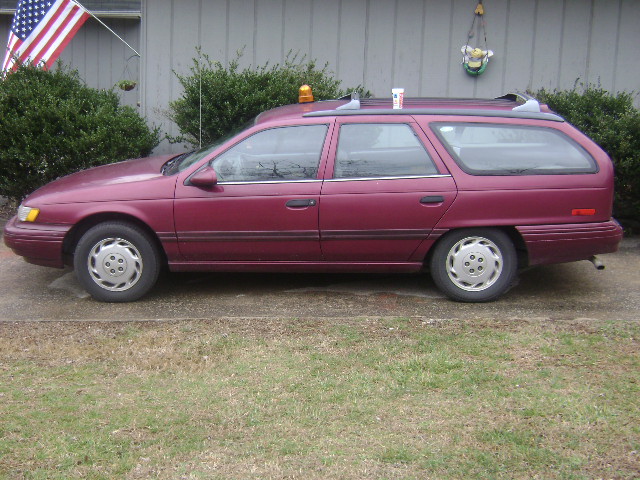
(398, 97)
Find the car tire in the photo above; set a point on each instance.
(116, 262)
(474, 265)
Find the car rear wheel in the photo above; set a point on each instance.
(474, 265)
(116, 262)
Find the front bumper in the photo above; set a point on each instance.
(40, 244)
(548, 244)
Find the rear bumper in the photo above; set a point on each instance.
(570, 242)
(37, 243)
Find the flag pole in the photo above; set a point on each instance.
(105, 26)
(200, 99)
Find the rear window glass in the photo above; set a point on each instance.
(490, 149)
(373, 150)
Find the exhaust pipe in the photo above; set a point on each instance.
(597, 263)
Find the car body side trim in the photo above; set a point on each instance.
(374, 234)
(248, 236)
(367, 179)
(234, 236)
(267, 182)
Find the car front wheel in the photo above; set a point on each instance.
(474, 265)
(116, 262)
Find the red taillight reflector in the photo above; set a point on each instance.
(581, 212)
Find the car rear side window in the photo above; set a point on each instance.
(490, 149)
(373, 150)
(277, 154)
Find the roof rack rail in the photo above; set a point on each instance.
(527, 102)
(516, 97)
(441, 111)
(354, 104)
(438, 101)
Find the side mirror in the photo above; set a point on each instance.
(205, 178)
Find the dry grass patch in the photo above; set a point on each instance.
(360, 398)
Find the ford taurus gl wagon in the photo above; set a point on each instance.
(470, 190)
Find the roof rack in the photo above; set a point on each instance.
(435, 102)
(527, 107)
(440, 111)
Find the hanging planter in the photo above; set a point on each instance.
(475, 59)
(126, 85)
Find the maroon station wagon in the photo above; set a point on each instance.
(470, 190)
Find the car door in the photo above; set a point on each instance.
(387, 190)
(264, 206)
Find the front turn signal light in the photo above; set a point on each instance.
(28, 214)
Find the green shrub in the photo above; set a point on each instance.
(51, 125)
(612, 122)
(232, 96)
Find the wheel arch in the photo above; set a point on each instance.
(512, 232)
(79, 229)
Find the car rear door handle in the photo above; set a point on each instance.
(432, 199)
(301, 203)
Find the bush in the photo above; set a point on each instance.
(612, 122)
(51, 125)
(231, 97)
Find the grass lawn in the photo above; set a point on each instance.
(290, 398)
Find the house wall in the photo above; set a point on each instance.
(382, 44)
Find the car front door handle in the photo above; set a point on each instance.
(301, 203)
(432, 199)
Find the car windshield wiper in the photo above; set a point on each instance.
(168, 168)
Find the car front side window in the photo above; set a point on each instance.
(277, 154)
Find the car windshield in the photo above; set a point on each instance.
(185, 160)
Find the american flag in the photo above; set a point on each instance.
(40, 31)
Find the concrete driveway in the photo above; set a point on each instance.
(567, 291)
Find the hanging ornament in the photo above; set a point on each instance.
(126, 83)
(476, 58)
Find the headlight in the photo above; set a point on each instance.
(27, 214)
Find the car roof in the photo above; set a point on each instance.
(508, 106)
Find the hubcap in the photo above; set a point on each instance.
(474, 264)
(115, 264)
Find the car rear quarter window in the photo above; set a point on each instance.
(373, 150)
(492, 149)
(277, 154)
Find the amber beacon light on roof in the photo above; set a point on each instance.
(305, 94)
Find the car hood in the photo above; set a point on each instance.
(128, 180)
